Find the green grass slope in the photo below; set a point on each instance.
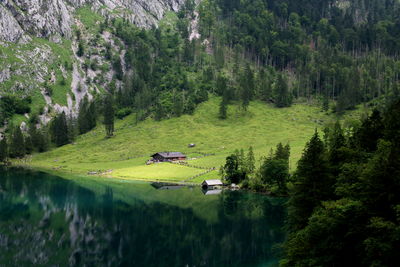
(124, 155)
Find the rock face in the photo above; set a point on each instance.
(46, 18)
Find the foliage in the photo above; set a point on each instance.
(109, 115)
(17, 144)
(3, 149)
(353, 219)
(59, 130)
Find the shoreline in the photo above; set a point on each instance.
(62, 173)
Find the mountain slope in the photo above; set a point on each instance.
(125, 155)
(39, 42)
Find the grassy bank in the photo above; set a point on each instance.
(124, 155)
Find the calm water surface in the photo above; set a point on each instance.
(50, 221)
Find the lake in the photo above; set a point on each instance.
(46, 220)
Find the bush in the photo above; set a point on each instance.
(122, 113)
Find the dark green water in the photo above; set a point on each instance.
(50, 221)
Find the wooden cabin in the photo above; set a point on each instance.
(168, 156)
(210, 184)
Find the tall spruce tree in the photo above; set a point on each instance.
(246, 83)
(59, 130)
(3, 150)
(283, 97)
(223, 107)
(17, 144)
(87, 116)
(109, 115)
(312, 184)
(250, 161)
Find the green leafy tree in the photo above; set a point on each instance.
(232, 170)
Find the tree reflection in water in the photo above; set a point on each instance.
(46, 220)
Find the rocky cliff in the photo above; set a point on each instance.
(47, 18)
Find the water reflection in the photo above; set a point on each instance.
(45, 220)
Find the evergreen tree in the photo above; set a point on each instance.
(109, 115)
(3, 150)
(17, 144)
(371, 130)
(282, 94)
(312, 184)
(282, 152)
(246, 83)
(86, 116)
(221, 84)
(81, 49)
(59, 130)
(91, 115)
(336, 142)
(28, 145)
(72, 128)
(250, 161)
(43, 142)
(223, 108)
(264, 86)
(325, 103)
(219, 57)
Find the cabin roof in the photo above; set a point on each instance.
(170, 155)
(212, 182)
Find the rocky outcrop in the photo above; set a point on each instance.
(10, 29)
(47, 18)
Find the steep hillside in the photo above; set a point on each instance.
(39, 43)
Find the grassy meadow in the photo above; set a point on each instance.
(124, 156)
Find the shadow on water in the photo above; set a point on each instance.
(46, 220)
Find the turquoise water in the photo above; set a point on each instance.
(51, 221)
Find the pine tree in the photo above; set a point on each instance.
(86, 116)
(3, 150)
(43, 142)
(59, 130)
(17, 145)
(325, 103)
(223, 110)
(250, 161)
(72, 128)
(312, 184)
(264, 86)
(221, 84)
(91, 116)
(219, 57)
(282, 95)
(245, 87)
(28, 145)
(109, 115)
(81, 49)
(282, 152)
